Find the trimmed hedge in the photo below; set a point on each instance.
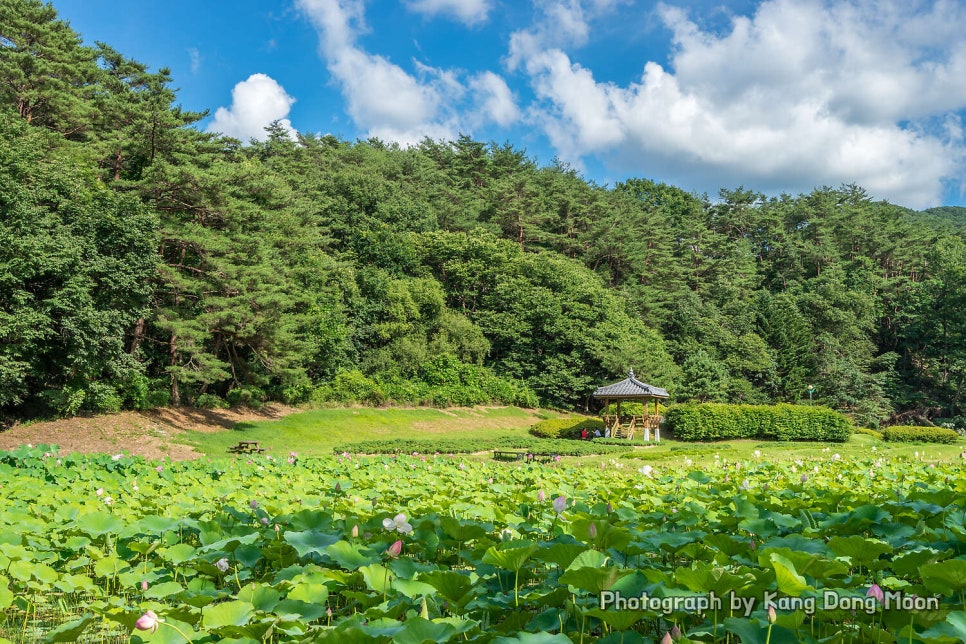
(566, 427)
(473, 445)
(912, 434)
(783, 422)
(868, 432)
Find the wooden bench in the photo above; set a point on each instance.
(246, 447)
(508, 455)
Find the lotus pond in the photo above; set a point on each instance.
(437, 548)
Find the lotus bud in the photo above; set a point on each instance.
(752, 545)
(338, 487)
(541, 496)
(264, 520)
(610, 508)
(667, 638)
(772, 616)
(592, 530)
(355, 532)
(395, 549)
(675, 633)
(148, 621)
(875, 591)
(144, 584)
(559, 504)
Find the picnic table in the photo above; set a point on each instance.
(246, 447)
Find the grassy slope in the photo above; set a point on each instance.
(317, 432)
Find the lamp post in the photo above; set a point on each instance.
(811, 389)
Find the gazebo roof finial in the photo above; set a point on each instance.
(630, 373)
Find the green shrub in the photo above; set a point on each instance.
(159, 397)
(868, 432)
(249, 396)
(566, 427)
(210, 401)
(783, 422)
(911, 434)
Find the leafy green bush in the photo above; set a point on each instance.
(566, 427)
(102, 398)
(158, 397)
(911, 434)
(210, 401)
(783, 422)
(868, 432)
(249, 396)
(471, 446)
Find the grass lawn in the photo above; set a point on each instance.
(316, 433)
(671, 452)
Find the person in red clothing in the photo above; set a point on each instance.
(583, 434)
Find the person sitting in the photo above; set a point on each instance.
(583, 434)
(596, 433)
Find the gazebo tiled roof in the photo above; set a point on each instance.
(631, 387)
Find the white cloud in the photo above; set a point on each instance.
(469, 12)
(386, 100)
(494, 99)
(799, 94)
(255, 103)
(195, 57)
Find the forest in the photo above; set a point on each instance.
(146, 263)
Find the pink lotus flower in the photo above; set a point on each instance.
(148, 621)
(541, 496)
(875, 591)
(264, 520)
(395, 549)
(559, 504)
(222, 565)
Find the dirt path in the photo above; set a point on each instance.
(145, 433)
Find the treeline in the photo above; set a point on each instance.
(143, 262)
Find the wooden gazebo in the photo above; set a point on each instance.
(625, 425)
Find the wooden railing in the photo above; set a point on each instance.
(626, 426)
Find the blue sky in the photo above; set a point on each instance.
(777, 96)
